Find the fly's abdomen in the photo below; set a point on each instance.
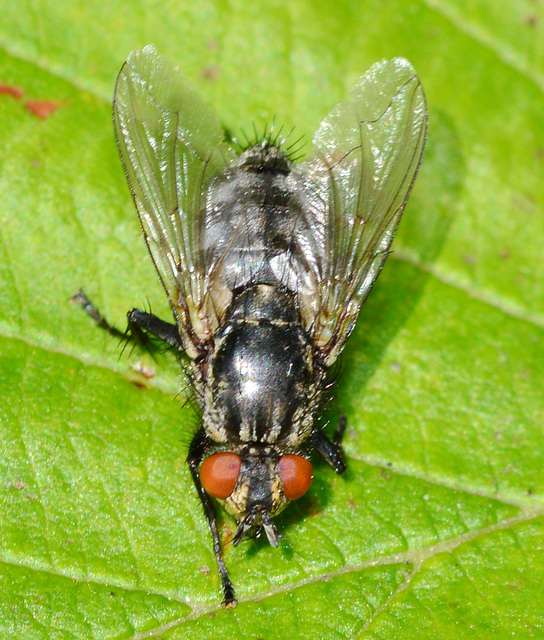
(262, 385)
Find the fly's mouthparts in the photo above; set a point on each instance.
(260, 519)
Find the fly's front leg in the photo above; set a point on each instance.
(331, 450)
(165, 331)
(85, 303)
(140, 324)
(197, 450)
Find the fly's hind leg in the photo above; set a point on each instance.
(331, 450)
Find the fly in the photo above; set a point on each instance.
(266, 264)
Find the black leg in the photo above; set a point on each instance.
(197, 451)
(165, 331)
(331, 449)
(340, 430)
(140, 324)
(81, 298)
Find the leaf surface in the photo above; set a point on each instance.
(437, 530)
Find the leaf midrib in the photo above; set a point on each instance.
(415, 557)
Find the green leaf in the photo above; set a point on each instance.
(437, 530)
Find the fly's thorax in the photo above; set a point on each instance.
(262, 383)
(256, 481)
(255, 213)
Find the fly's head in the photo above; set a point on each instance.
(255, 484)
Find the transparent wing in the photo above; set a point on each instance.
(365, 157)
(171, 146)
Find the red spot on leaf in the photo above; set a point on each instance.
(42, 108)
(10, 90)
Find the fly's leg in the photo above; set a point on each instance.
(197, 450)
(331, 450)
(340, 430)
(81, 298)
(140, 324)
(165, 331)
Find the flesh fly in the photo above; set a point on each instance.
(266, 264)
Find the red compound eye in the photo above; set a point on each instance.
(296, 474)
(219, 474)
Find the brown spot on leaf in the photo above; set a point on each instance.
(210, 73)
(42, 108)
(10, 90)
(139, 383)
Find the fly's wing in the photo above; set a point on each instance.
(365, 157)
(170, 143)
